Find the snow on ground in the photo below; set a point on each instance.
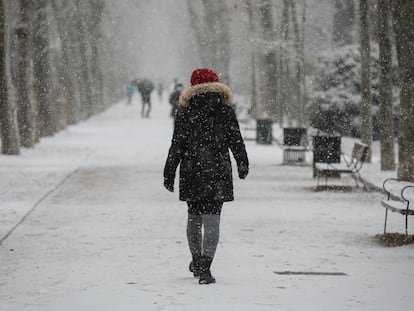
(103, 234)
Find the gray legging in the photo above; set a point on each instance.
(200, 244)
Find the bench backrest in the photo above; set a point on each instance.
(326, 149)
(394, 187)
(359, 152)
(358, 156)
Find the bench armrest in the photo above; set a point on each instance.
(396, 187)
(407, 193)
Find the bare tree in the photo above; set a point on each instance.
(403, 16)
(42, 70)
(8, 122)
(24, 79)
(48, 92)
(253, 28)
(385, 88)
(366, 118)
(264, 60)
(57, 88)
(284, 68)
(298, 81)
(343, 22)
(302, 74)
(94, 21)
(80, 37)
(64, 11)
(292, 61)
(82, 34)
(270, 68)
(210, 21)
(196, 13)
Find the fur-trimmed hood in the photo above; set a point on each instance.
(197, 89)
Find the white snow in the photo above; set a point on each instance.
(105, 235)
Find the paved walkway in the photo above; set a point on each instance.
(105, 235)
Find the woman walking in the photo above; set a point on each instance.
(205, 129)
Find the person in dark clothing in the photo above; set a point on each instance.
(160, 90)
(145, 88)
(174, 98)
(205, 129)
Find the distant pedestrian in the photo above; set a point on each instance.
(172, 85)
(160, 90)
(130, 92)
(205, 129)
(145, 88)
(174, 98)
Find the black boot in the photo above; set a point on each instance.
(194, 266)
(205, 273)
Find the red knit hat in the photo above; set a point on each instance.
(203, 75)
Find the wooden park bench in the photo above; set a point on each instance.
(294, 145)
(399, 195)
(331, 166)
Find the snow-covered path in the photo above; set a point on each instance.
(110, 237)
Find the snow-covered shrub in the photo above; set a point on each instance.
(335, 90)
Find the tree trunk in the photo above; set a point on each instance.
(269, 68)
(197, 24)
(252, 13)
(385, 89)
(286, 81)
(78, 65)
(85, 72)
(97, 7)
(343, 22)
(210, 22)
(24, 94)
(42, 78)
(303, 100)
(298, 66)
(8, 122)
(265, 64)
(366, 118)
(403, 16)
(64, 17)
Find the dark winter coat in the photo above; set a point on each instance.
(206, 128)
(145, 87)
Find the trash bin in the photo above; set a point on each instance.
(294, 136)
(264, 131)
(294, 145)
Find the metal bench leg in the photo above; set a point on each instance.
(406, 224)
(355, 179)
(366, 188)
(358, 176)
(386, 215)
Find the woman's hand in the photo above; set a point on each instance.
(169, 184)
(243, 171)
